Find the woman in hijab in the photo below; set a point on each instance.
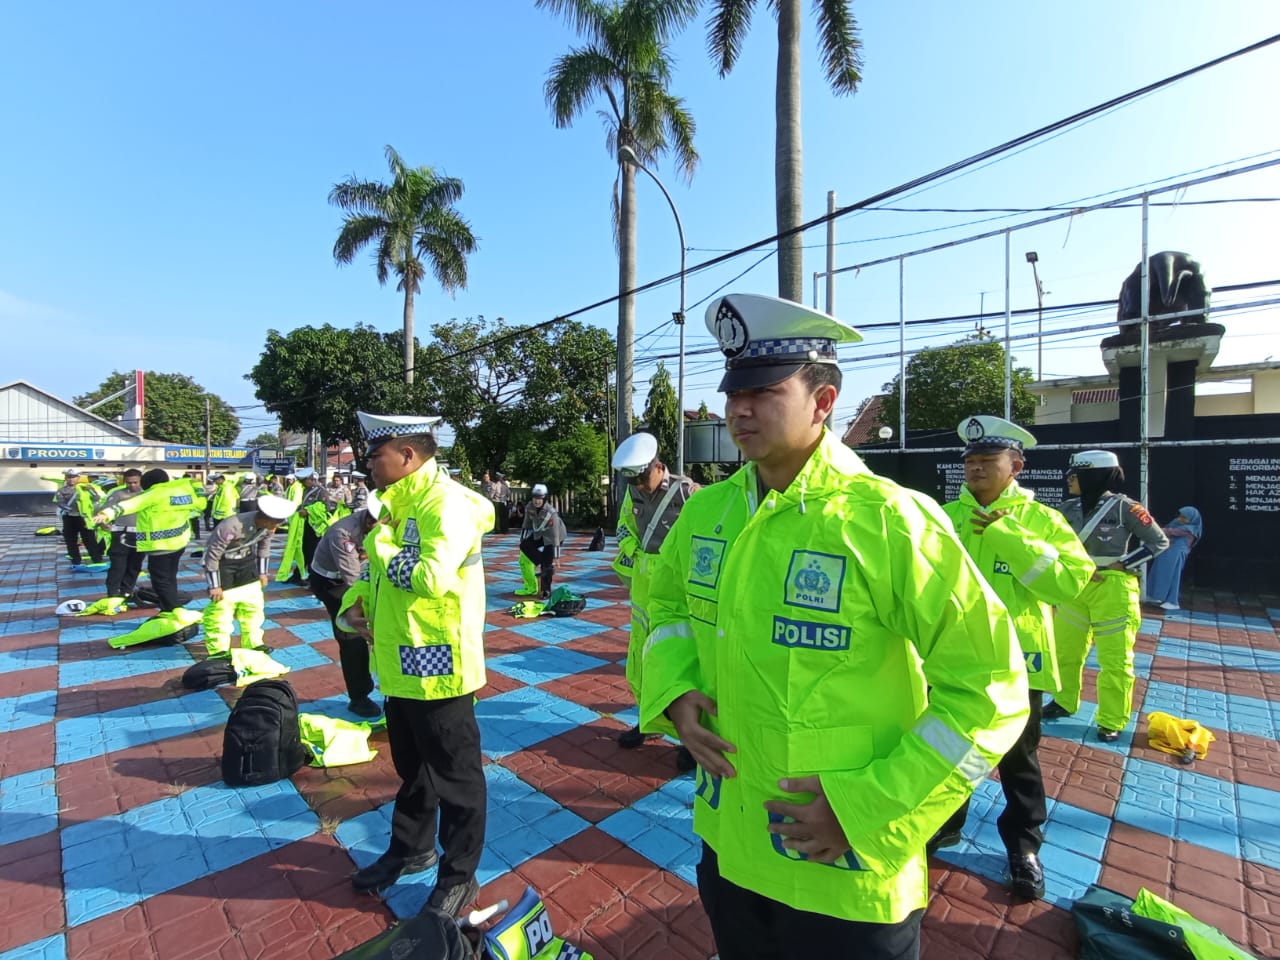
(1164, 577)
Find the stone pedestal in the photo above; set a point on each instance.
(1176, 351)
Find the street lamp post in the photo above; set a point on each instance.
(1033, 258)
(628, 155)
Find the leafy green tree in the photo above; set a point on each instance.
(841, 59)
(316, 378)
(503, 390)
(625, 61)
(947, 384)
(572, 461)
(662, 414)
(174, 409)
(408, 221)
(267, 441)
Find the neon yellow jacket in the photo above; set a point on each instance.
(817, 619)
(628, 539)
(226, 500)
(424, 593)
(164, 516)
(1032, 559)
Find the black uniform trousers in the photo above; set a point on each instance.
(353, 650)
(749, 926)
(126, 563)
(74, 532)
(310, 540)
(1023, 786)
(163, 568)
(501, 516)
(435, 746)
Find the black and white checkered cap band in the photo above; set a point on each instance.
(399, 430)
(761, 353)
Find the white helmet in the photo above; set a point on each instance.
(539, 490)
(1094, 460)
(635, 454)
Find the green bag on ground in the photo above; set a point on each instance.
(1204, 942)
(1110, 930)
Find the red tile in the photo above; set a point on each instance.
(21, 682)
(30, 748)
(1152, 868)
(117, 936)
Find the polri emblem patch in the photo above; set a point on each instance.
(410, 531)
(705, 559)
(814, 581)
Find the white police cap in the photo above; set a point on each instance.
(765, 339)
(1094, 460)
(636, 452)
(982, 433)
(71, 472)
(70, 608)
(379, 428)
(302, 473)
(277, 508)
(539, 490)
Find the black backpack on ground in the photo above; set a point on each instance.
(210, 673)
(428, 936)
(261, 742)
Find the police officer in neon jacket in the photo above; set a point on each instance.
(829, 653)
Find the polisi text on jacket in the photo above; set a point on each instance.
(804, 633)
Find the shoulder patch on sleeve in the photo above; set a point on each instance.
(349, 546)
(228, 535)
(1139, 511)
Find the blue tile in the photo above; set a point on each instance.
(82, 632)
(544, 663)
(37, 625)
(28, 710)
(81, 737)
(1150, 627)
(1221, 711)
(174, 841)
(555, 630)
(28, 659)
(1241, 658)
(314, 632)
(520, 718)
(660, 827)
(28, 805)
(49, 948)
(290, 604)
(131, 662)
(299, 657)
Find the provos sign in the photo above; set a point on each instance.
(55, 453)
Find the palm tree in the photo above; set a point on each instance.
(841, 57)
(625, 60)
(411, 220)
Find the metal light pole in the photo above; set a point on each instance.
(1033, 258)
(627, 155)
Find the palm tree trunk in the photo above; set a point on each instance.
(787, 158)
(626, 301)
(408, 334)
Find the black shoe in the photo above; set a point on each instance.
(684, 760)
(943, 838)
(1054, 711)
(1108, 736)
(451, 901)
(388, 868)
(630, 739)
(364, 707)
(1026, 877)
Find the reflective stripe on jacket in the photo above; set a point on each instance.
(817, 619)
(1032, 559)
(425, 594)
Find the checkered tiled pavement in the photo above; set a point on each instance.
(117, 837)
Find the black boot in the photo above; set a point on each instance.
(544, 583)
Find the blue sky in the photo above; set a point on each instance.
(167, 167)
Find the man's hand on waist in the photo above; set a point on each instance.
(811, 828)
(685, 711)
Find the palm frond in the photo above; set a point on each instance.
(394, 162)
(358, 196)
(727, 28)
(357, 231)
(585, 16)
(841, 46)
(681, 128)
(575, 78)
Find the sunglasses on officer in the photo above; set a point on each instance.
(635, 475)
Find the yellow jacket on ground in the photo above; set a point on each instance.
(842, 631)
(1032, 559)
(424, 594)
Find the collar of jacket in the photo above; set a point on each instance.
(826, 471)
(1011, 496)
(409, 489)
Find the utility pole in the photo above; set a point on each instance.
(1033, 258)
(207, 433)
(831, 253)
